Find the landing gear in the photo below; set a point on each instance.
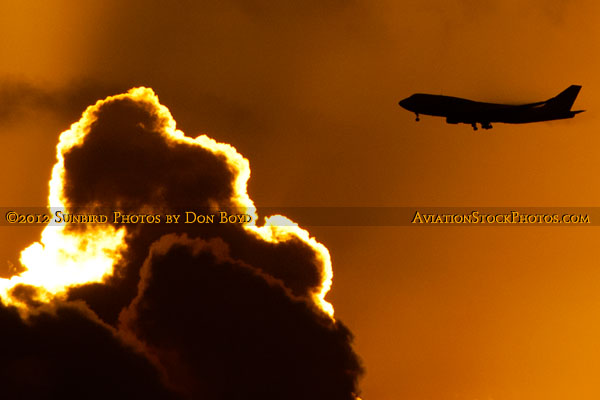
(484, 125)
(417, 119)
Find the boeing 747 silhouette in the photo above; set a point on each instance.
(457, 110)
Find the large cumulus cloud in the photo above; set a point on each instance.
(219, 311)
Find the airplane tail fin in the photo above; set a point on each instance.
(564, 101)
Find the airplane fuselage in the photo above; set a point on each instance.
(457, 110)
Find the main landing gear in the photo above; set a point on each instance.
(484, 125)
(417, 119)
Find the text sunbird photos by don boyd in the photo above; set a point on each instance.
(119, 217)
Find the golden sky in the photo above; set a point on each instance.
(308, 92)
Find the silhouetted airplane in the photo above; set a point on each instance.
(457, 110)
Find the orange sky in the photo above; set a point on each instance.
(308, 93)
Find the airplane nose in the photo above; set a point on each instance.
(404, 103)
